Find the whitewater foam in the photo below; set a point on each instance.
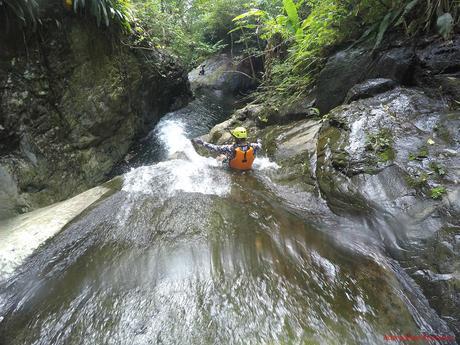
(190, 173)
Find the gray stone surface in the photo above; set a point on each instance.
(223, 73)
(72, 106)
(369, 88)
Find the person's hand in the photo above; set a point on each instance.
(259, 141)
(197, 141)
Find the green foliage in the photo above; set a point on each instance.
(414, 16)
(424, 179)
(106, 11)
(302, 33)
(438, 169)
(293, 16)
(195, 29)
(174, 27)
(445, 25)
(296, 47)
(22, 12)
(422, 153)
(417, 181)
(381, 144)
(26, 12)
(217, 19)
(437, 192)
(386, 155)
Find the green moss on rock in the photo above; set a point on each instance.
(438, 192)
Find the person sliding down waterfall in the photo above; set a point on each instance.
(238, 156)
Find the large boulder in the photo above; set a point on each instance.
(429, 63)
(291, 145)
(342, 71)
(258, 116)
(369, 88)
(221, 72)
(352, 66)
(402, 130)
(71, 105)
(293, 148)
(439, 56)
(439, 67)
(392, 161)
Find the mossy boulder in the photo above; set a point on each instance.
(379, 160)
(377, 137)
(293, 148)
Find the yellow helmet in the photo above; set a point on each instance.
(240, 133)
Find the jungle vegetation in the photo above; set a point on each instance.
(293, 37)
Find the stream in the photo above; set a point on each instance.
(188, 252)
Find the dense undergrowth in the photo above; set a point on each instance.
(293, 37)
(301, 36)
(193, 30)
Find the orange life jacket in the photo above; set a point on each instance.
(242, 160)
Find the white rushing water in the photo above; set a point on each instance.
(184, 169)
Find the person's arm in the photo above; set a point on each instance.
(224, 149)
(257, 146)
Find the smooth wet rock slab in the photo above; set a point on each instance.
(22, 235)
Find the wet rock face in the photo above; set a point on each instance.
(428, 64)
(439, 67)
(71, 107)
(384, 159)
(220, 72)
(350, 67)
(437, 271)
(369, 88)
(402, 129)
(10, 200)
